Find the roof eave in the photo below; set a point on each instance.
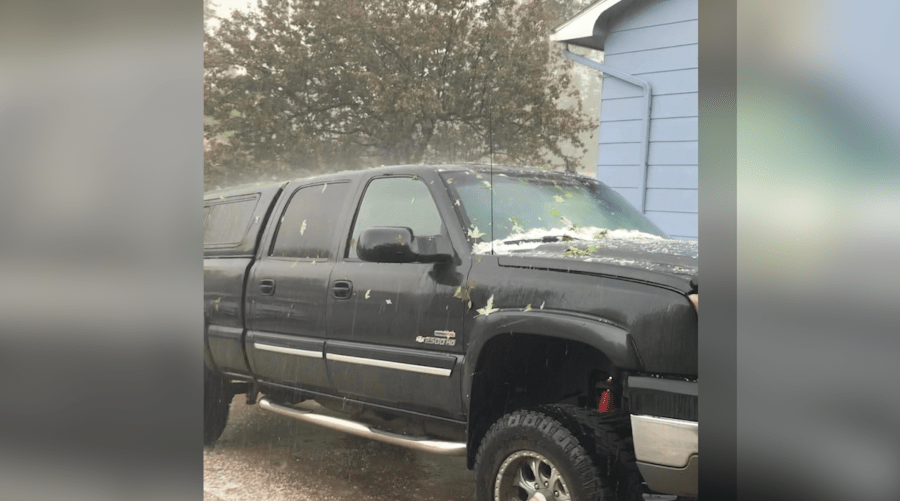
(588, 28)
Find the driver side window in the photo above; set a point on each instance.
(403, 201)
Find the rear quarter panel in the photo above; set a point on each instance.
(223, 284)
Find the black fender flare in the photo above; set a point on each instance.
(608, 338)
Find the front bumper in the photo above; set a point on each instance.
(666, 450)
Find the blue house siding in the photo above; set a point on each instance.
(666, 82)
(663, 129)
(658, 176)
(653, 37)
(667, 106)
(656, 43)
(660, 13)
(668, 152)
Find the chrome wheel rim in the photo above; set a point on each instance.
(529, 476)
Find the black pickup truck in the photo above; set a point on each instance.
(532, 321)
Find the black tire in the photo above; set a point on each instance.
(216, 402)
(525, 441)
(607, 438)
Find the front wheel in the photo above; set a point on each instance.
(528, 455)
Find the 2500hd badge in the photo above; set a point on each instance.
(440, 337)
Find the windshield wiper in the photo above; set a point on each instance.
(544, 240)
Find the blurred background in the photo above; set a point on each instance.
(818, 235)
(101, 130)
(102, 127)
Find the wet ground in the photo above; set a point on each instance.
(264, 456)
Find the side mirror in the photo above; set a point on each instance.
(386, 244)
(397, 244)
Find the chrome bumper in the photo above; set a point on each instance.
(667, 453)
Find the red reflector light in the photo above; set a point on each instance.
(606, 403)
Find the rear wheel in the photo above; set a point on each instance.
(216, 402)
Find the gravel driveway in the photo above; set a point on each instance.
(264, 456)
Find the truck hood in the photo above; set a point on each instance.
(629, 255)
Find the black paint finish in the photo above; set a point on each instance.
(409, 336)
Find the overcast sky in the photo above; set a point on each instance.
(224, 7)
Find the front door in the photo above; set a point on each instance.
(394, 328)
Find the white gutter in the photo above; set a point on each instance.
(645, 129)
(581, 26)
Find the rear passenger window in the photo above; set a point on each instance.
(306, 229)
(395, 201)
(226, 223)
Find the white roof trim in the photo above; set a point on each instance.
(582, 25)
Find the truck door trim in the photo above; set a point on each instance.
(424, 369)
(289, 351)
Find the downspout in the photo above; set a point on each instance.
(645, 130)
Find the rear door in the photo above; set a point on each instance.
(288, 287)
(232, 225)
(394, 328)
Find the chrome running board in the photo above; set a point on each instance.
(361, 430)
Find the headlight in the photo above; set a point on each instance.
(695, 300)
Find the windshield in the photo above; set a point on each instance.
(526, 201)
